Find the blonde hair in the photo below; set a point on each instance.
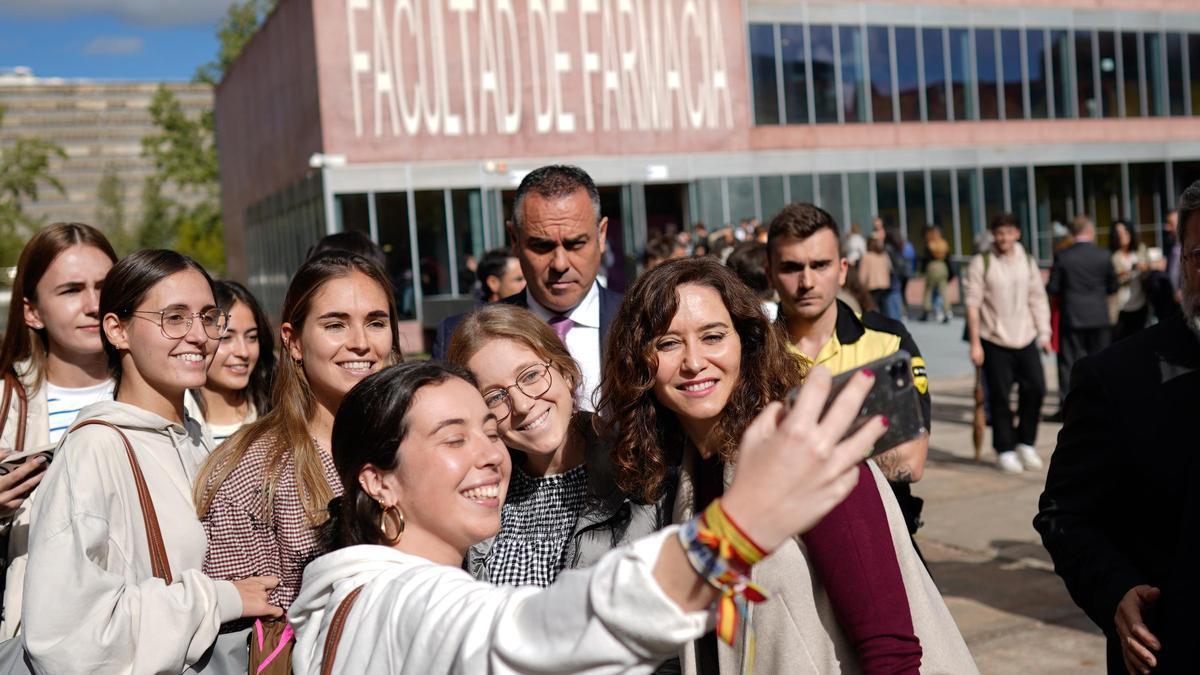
(502, 321)
(293, 403)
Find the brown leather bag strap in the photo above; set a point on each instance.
(12, 384)
(334, 636)
(159, 564)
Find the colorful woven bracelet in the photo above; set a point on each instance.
(721, 553)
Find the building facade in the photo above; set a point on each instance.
(100, 126)
(413, 121)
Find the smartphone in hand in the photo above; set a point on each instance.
(893, 395)
(11, 461)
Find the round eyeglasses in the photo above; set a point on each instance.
(175, 323)
(533, 382)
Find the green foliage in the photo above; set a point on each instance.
(155, 229)
(238, 26)
(24, 169)
(110, 211)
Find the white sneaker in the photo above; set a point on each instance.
(1029, 457)
(1009, 463)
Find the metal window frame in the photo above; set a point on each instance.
(895, 72)
(808, 73)
(1096, 88)
(922, 105)
(955, 217)
(838, 94)
(902, 204)
(1048, 57)
(451, 241)
(948, 67)
(1143, 80)
(1072, 69)
(1185, 44)
(973, 73)
(1034, 229)
(846, 215)
(777, 33)
(1006, 189)
(998, 55)
(1119, 46)
(414, 253)
(1126, 209)
(1026, 106)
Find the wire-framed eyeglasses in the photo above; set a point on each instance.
(175, 323)
(533, 382)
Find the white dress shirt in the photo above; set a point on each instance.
(583, 341)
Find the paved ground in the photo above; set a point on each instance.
(978, 538)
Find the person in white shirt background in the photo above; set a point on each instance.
(425, 474)
(238, 388)
(53, 360)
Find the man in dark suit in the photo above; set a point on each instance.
(1117, 492)
(1082, 278)
(558, 236)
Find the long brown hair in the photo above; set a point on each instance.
(647, 438)
(20, 341)
(292, 399)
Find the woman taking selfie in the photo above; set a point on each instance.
(691, 361)
(53, 365)
(262, 495)
(425, 473)
(563, 509)
(103, 594)
(238, 388)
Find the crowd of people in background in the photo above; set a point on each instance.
(554, 489)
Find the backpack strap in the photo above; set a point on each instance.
(13, 385)
(159, 564)
(334, 636)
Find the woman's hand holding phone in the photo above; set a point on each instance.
(16, 485)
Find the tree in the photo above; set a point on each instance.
(155, 229)
(238, 26)
(24, 169)
(110, 210)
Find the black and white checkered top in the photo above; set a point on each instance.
(537, 519)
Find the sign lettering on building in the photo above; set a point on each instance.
(461, 68)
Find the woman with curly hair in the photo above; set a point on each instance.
(691, 360)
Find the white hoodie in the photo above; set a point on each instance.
(421, 618)
(92, 604)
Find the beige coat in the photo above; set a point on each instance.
(796, 630)
(37, 433)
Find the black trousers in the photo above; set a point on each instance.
(1002, 367)
(1074, 344)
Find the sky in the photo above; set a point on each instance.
(109, 39)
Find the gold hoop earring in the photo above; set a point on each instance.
(391, 518)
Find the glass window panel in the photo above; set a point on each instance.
(1102, 193)
(993, 193)
(1148, 199)
(881, 73)
(985, 71)
(1194, 70)
(914, 204)
(854, 82)
(1107, 42)
(943, 203)
(830, 185)
(801, 187)
(887, 194)
(1018, 189)
(1186, 173)
(860, 201)
(712, 209)
(352, 213)
(1131, 62)
(391, 215)
(468, 233)
(1085, 79)
(1064, 78)
(908, 82)
(1036, 58)
(1055, 188)
(824, 77)
(960, 75)
(770, 194)
(969, 206)
(763, 73)
(1010, 55)
(1175, 88)
(935, 73)
(1156, 74)
(741, 198)
(795, 78)
(432, 246)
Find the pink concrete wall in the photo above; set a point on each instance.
(268, 118)
(713, 33)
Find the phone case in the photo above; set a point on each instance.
(894, 395)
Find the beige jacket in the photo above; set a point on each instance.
(1011, 298)
(796, 631)
(37, 433)
(92, 605)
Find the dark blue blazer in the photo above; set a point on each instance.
(610, 301)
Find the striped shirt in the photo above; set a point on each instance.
(64, 404)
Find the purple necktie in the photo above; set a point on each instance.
(561, 325)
